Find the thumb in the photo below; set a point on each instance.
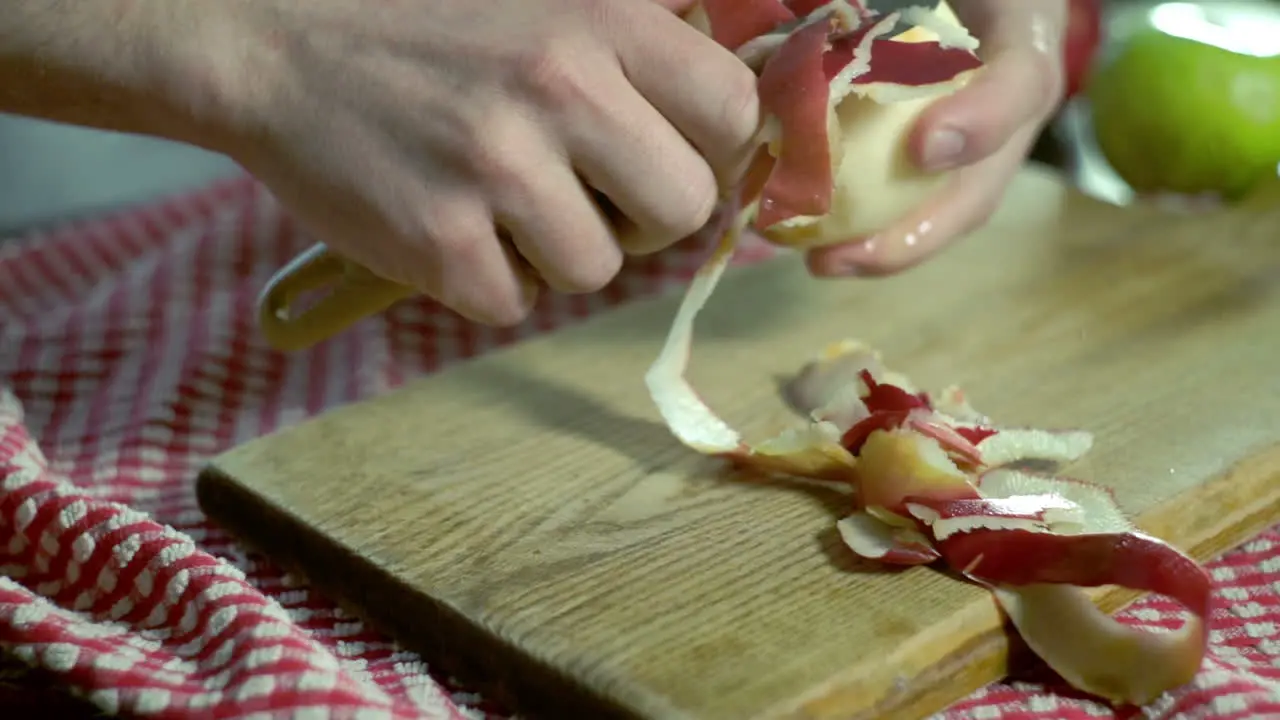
(679, 7)
(1020, 84)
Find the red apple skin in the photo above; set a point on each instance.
(1080, 44)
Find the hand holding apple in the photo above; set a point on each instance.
(982, 133)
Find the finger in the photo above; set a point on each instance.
(468, 269)
(1020, 83)
(679, 7)
(558, 229)
(541, 204)
(698, 85)
(965, 204)
(626, 150)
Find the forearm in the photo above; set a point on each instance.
(137, 66)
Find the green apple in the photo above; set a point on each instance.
(1177, 115)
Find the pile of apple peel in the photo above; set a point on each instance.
(934, 481)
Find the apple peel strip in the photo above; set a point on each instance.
(930, 476)
(811, 451)
(791, 176)
(1035, 540)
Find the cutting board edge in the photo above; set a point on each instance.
(850, 694)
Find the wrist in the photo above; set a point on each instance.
(146, 67)
(213, 71)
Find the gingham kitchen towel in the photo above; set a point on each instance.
(128, 357)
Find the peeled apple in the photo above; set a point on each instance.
(870, 111)
(876, 182)
(840, 94)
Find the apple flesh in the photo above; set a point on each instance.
(877, 182)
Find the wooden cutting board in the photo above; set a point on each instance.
(525, 519)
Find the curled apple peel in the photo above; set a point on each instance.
(1036, 540)
(934, 482)
(874, 539)
(934, 479)
(814, 59)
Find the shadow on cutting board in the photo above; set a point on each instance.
(568, 409)
(652, 447)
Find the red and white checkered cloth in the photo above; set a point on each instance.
(129, 356)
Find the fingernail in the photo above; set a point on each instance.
(943, 149)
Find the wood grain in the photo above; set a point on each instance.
(526, 516)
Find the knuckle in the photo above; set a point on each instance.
(484, 297)
(980, 217)
(986, 211)
(997, 114)
(460, 270)
(552, 72)
(694, 206)
(638, 241)
(740, 104)
(497, 141)
(595, 274)
(505, 309)
(1046, 69)
(460, 252)
(457, 238)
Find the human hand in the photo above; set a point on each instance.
(409, 136)
(985, 130)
